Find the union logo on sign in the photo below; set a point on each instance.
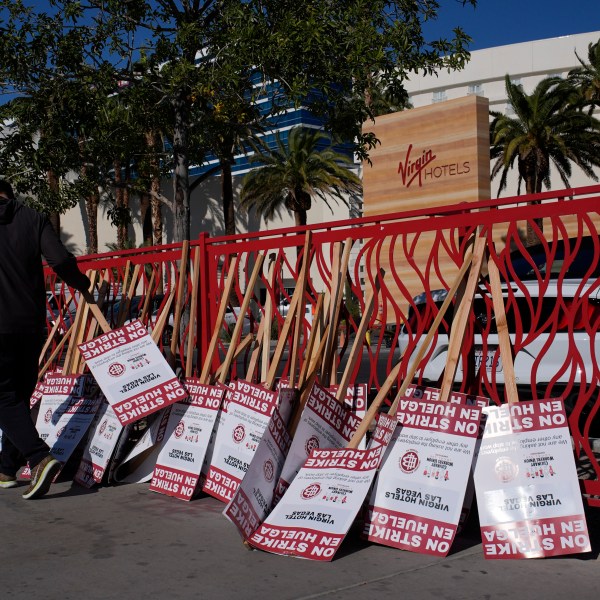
(312, 443)
(179, 429)
(269, 470)
(48, 416)
(239, 433)
(310, 491)
(116, 369)
(506, 470)
(103, 426)
(409, 461)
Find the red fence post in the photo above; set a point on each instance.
(205, 295)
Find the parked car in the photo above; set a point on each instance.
(553, 315)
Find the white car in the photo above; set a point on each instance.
(554, 322)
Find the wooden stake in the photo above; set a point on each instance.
(424, 346)
(126, 301)
(229, 283)
(508, 368)
(459, 322)
(359, 339)
(189, 361)
(237, 330)
(268, 319)
(297, 296)
(162, 319)
(302, 280)
(338, 279)
(148, 298)
(180, 300)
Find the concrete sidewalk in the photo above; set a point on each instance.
(127, 542)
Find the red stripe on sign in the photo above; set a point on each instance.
(296, 541)
(536, 538)
(242, 514)
(220, 485)
(408, 532)
(173, 482)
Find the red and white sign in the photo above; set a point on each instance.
(102, 440)
(132, 372)
(67, 409)
(253, 499)
(247, 410)
(190, 425)
(325, 423)
(317, 510)
(526, 482)
(138, 465)
(417, 498)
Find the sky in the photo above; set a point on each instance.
(501, 22)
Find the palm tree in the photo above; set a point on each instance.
(292, 174)
(547, 129)
(586, 78)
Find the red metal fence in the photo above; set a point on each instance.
(552, 295)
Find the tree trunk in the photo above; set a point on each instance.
(227, 197)
(91, 207)
(54, 217)
(118, 199)
(181, 189)
(146, 219)
(123, 229)
(529, 169)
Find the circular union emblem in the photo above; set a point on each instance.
(312, 443)
(179, 429)
(116, 369)
(409, 461)
(269, 470)
(239, 433)
(506, 470)
(103, 426)
(310, 491)
(48, 416)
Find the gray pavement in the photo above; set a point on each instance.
(127, 542)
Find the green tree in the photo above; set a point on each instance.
(546, 129)
(315, 54)
(586, 78)
(291, 174)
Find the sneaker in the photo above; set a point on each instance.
(7, 481)
(41, 477)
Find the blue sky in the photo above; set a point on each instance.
(500, 22)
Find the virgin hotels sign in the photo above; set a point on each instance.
(430, 156)
(418, 170)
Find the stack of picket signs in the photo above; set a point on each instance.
(298, 461)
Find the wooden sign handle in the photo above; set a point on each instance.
(232, 276)
(383, 392)
(459, 323)
(508, 368)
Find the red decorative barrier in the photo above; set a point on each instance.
(552, 296)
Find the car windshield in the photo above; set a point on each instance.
(581, 259)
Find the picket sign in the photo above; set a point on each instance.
(528, 493)
(251, 429)
(417, 500)
(180, 454)
(325, 421)
(66, 411)
(136, 381)
(98, 451)
(322, 502)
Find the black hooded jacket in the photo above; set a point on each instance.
(25, 235)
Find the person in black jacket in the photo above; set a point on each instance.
(26, 235)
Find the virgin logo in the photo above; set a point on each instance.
(413, 169)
